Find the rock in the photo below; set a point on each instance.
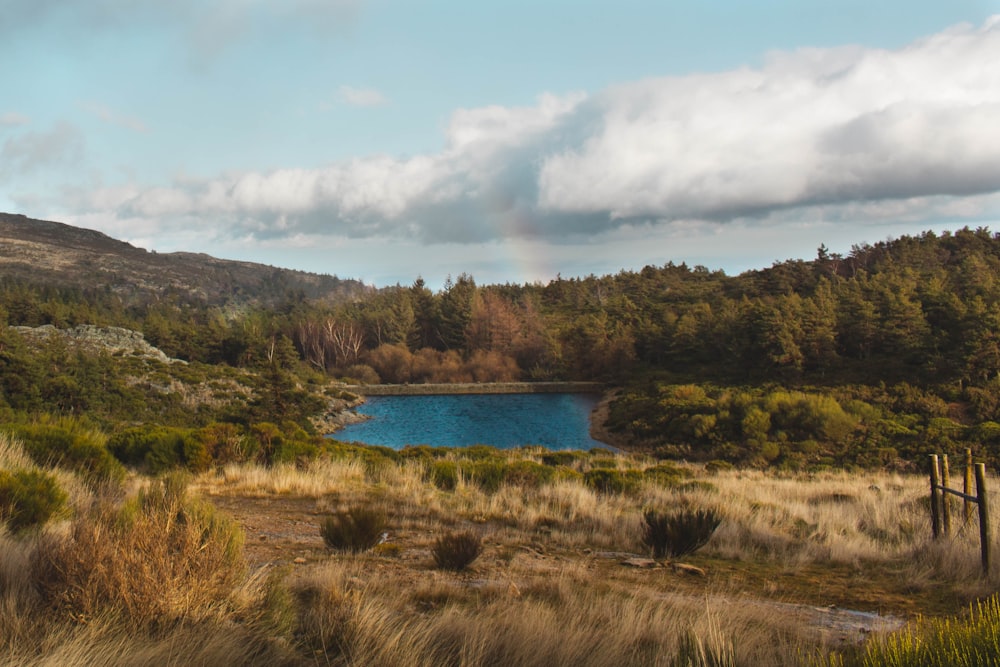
(300, 561)
(640, 562)
(684, 568)
(114, 340)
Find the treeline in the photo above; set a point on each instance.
(917, 309)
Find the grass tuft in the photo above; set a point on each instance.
(678, 533)
(457, 551)
(152, 560)
(356, 529)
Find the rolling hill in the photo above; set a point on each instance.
(57, 254)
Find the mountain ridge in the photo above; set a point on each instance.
(62, 255)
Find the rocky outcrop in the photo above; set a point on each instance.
(339, 413)
(113, 340)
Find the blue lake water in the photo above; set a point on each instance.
(555, 421)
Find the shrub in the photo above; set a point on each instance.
(936, 642)
(678, 533)
(480, 453)
(563, 458)
(220, 443)
(716, 466)
(665, 474)
(604, 480)
(528, 474)
(156, 558)
(166, 450)
(357, 529)
(456, 551)
(361, 374)
(487, 475)
(697, 485)
(72, 445)
(416, 453)
(444, 475)
(28, 498)
(564, 474)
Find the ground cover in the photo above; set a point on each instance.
(802, 568)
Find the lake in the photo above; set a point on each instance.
(555, 421)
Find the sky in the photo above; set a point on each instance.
(515, 141)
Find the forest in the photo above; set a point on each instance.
(873, 358)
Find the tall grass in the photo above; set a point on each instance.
(575, 624)
(155, 559)
(972, 640)
(158, 576)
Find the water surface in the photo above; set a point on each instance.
(555, 421)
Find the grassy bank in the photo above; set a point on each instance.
(233, 569)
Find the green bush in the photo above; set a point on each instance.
(161, 448)
(444, 475)
(480, 453)
(969, 641)
(456, 551)
(357, 529)
(219, 443)
(528, 474)
(678, 533)
(416, 452)
(697, 485)
(604, 480)
(564, 474)
(665, 474)
(28, 498)
(487, 475)
(716, 466)
(74, 446)
(563, 458)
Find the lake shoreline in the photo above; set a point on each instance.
(599, 421)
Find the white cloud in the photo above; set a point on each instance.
(362, 97)
(31, 151)
(12, 118)
(809, 127)
(847, 134)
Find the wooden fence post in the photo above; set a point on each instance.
(984, 516)
(945, 500)
(935, 494)
(968, 485)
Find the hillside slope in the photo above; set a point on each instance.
(40, 251)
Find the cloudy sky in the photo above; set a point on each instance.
(514, 140)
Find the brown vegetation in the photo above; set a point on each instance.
(158, 576)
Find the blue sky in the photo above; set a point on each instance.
(383, 140)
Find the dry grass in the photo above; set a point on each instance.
(157, 578)
(155, 559)
(570, 620)
(319, 478)
(12, 454)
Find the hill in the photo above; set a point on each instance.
(75, 257)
